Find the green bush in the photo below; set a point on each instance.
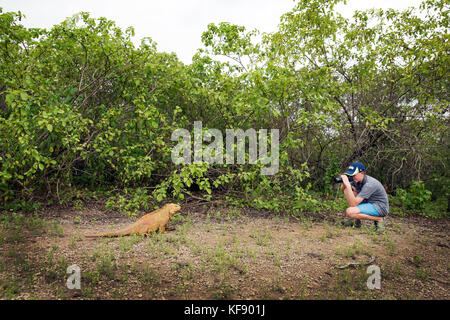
(130, 201)
(83, 107)
(415, 197)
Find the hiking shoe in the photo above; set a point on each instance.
(379, 225)
(352, 223)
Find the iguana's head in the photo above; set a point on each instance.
(172, 207)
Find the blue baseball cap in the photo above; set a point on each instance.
(355, 168)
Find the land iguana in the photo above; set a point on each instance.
(153, 221)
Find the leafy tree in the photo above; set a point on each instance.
(82, 106)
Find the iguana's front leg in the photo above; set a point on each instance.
(166, 227)
(171, 228)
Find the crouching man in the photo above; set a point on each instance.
(365, 196)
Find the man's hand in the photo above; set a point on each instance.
(345, 182)
(350, 192)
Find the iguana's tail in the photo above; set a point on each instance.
(118, 233)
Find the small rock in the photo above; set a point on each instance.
(182, 263)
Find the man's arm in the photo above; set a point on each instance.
(355, 192)
(349, 194)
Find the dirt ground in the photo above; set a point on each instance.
(223, 253)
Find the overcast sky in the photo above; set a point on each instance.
(176, 25)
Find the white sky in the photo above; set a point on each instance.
(176, 25)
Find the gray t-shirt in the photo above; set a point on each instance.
(373, 191)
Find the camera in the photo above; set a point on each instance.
(339, 179)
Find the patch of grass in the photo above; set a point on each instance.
(266, 292)
(161, 244)
(10, 219)
(150, 278)
(36, 224)
(196, 248)
(368, 229)
(15, 235)
(61, 292)
(91, 277)
(375, 238)
(233, 213)
(288, 246)
(251, 253)
(350, 284)
(54, 268)
(262, 237)
(276, 284)
(307, 223)
(77, 220)
(14, 226)
(126, 243)
(208, 223)
(87, 292)
(55, 230)
(21, 262)
(184, 228)
(184, 285)
(75, 238)
(301, 289)
(417, 260)
(123, 273)
(390, 246)
(353, 250)
(105, 261)
(118, 293)
(272, 254)
(224, 290)
(234, 240)
(395, 227)
(395, 271)
(222, 260)
(328, 233)
(9, 288)
(422, 274)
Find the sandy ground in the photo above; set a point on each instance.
(225, 253)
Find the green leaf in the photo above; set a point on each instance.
(23, 95)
